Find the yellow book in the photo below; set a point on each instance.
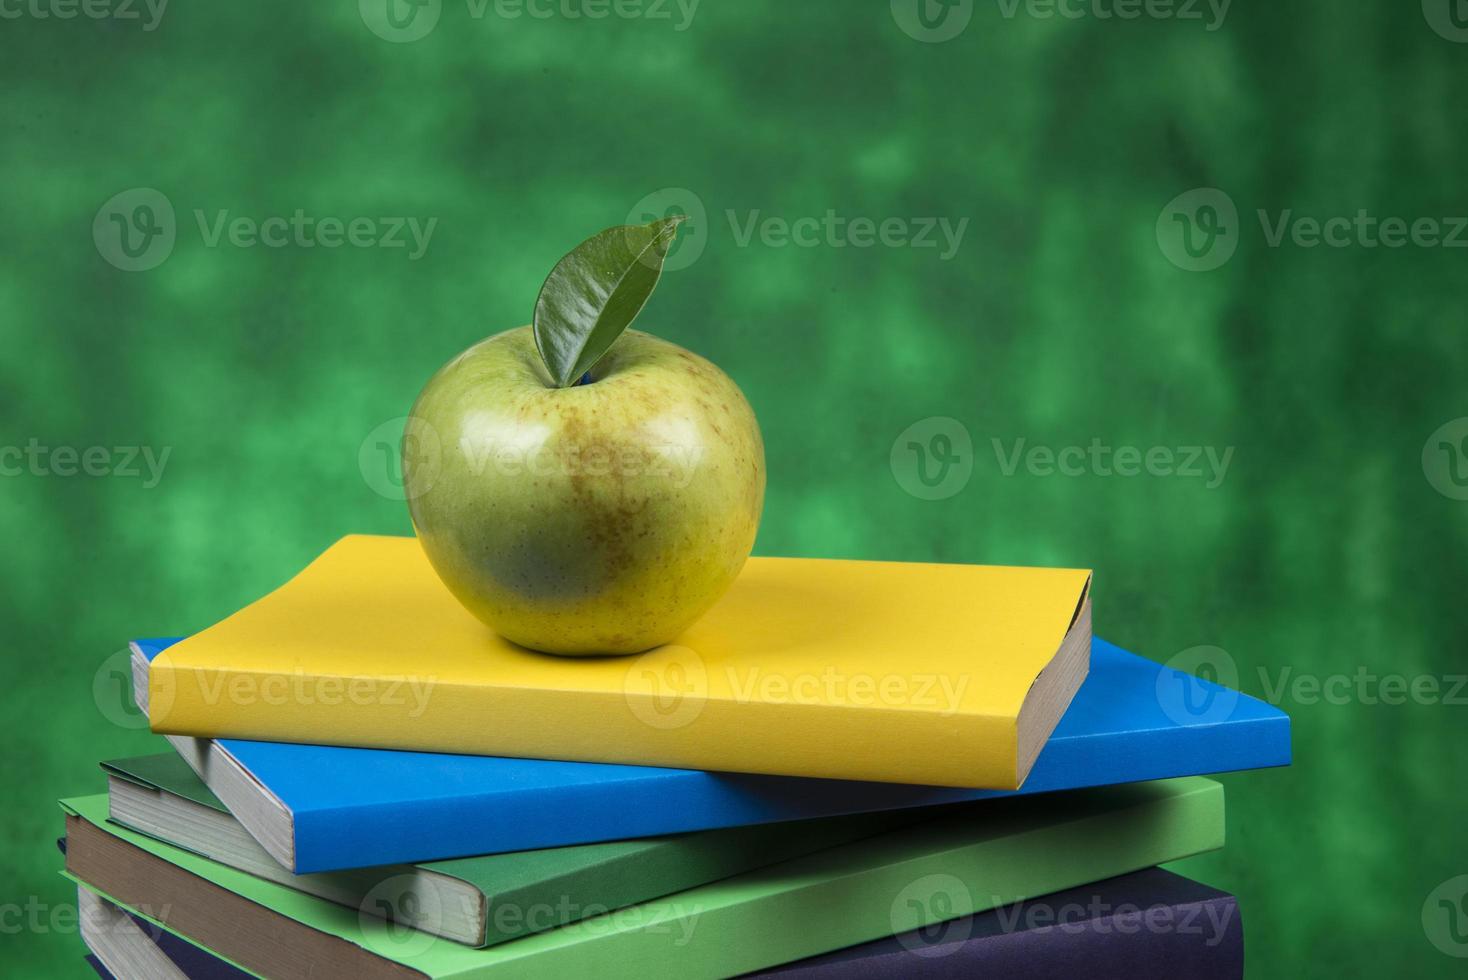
(947, 675)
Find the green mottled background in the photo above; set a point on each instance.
(1327, 548)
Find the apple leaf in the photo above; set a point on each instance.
(595, 292)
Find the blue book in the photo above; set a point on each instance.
(1150, 924)
(328, 808)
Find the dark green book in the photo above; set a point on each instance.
(479, 901)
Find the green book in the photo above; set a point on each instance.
(479, 901)
(969, 858)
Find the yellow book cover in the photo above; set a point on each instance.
(947, 675)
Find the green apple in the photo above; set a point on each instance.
(602, 517)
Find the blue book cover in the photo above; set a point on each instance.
(326, 808)
(1149, 925)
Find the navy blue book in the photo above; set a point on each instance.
(327, 808)
(194, 962)
(122, 945)
(1151, 925)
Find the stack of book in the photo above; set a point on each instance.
(846, 768)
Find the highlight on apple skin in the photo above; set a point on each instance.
(600, 518)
